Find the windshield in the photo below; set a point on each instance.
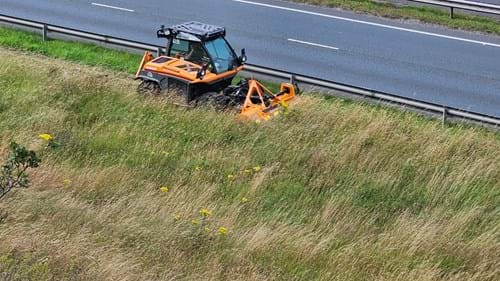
(190, 50)
(221, 54)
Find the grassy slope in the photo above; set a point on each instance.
(424, 14)
(346, 191)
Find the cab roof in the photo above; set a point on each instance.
(193, 30)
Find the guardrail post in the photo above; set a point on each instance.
(44, 33)
(445, 116)
(452, 12)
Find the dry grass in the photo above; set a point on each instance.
(346, 191)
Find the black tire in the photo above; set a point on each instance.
(215, 100)
(148, 88)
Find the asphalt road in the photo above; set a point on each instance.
(455, 68)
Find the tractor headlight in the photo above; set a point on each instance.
(201, 73)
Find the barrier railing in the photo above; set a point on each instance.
(464, 5)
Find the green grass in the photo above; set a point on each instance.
(424, 14)
(346, 191)
(74, 51)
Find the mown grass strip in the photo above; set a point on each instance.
(89, 54)
(423, 14)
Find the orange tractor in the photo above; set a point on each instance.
(199, 65)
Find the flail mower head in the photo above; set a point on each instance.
(261, 104)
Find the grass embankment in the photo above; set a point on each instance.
(431, 15)
(332, 191)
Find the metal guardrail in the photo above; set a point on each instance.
(445, 111)
(464, 5)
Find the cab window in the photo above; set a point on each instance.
(221, 54)
(179, 47)
(191, 51)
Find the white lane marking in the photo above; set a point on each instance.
(370, 23)
(312, 44)
(113, 7)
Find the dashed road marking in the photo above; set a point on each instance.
(313, 44)
(113, 7)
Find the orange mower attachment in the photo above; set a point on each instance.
(261, 104)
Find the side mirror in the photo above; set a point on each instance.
(243, 57)
(202, 72)
(161, 32)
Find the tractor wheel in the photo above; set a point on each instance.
(148, 88)
(215, 100)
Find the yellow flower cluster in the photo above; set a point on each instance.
(222, 230)
(164, 189)
(201, 224)
(205, 213)
(254, 169)
(46, 137)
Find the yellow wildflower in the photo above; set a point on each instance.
(257, 168)
(46, 137)
(248, 171)
(205, 213)
(207, 229)
(197, 168)
(230, 177)
(177, 217)
(164, 189)
(244, 200)
(222, 230)
(195, 222)
(67, 182)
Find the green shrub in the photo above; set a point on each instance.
(13, 173)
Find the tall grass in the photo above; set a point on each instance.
(336, 190)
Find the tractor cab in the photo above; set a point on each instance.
(198, 59)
